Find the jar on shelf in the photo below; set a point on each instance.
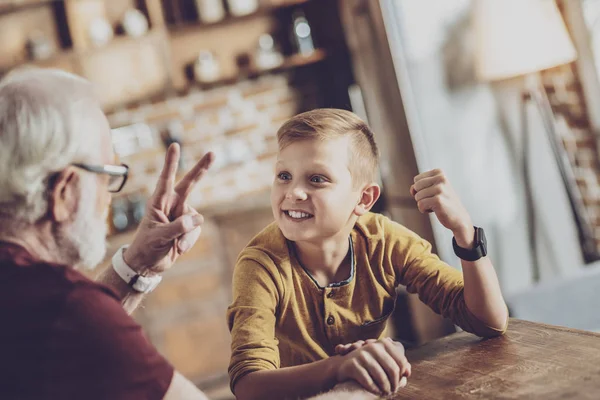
(39, 46)
(239, 8)
(206, 67)
(100, 31)
(135, 23)
(210, 11)
(267, 56)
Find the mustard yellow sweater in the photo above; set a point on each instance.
(281, 317)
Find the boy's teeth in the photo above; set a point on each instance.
(298, 214)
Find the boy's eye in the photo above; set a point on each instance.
(284, 176)
(318, 179)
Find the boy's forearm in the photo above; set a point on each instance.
(290, 382)
(482, 293)
(482, 289)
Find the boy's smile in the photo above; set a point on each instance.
(313, 196)
(297, 215)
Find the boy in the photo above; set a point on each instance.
(312, 292)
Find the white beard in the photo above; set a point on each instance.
(87, 235)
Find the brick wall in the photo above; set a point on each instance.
(567, 100)
(185, 316)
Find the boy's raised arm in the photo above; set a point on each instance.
(482, 294)
(473, 299)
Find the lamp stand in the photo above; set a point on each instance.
(535, 92)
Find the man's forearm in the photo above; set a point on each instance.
(291, 382)
(130, 299)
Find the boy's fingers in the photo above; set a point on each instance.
(427, 182)
(342, 349)
(426, 205)
(389, 365)
(371, 363)
(408, 370)
(430, 191)
(356, 345)
(362, 376)
(403, 382)
(428, 174)
(396, 351)
(413, 191)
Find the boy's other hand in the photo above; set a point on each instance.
(380, 366)
(433, 193)
(343, 349)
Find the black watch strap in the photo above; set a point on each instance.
(478, 251)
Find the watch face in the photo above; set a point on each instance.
(480, 237)
(481, 241)
(479, 247)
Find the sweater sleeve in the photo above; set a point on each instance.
(251, 318)
(437, 284)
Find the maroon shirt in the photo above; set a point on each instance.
(62, 336)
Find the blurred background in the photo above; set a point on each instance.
(503, 95)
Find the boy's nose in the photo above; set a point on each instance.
(296, 194)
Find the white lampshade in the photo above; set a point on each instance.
(517, 37)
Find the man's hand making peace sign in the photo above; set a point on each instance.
(170, 226)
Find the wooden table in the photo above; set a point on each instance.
(532, 361)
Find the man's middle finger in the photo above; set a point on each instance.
(185, 186)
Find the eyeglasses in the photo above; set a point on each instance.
(117, 174)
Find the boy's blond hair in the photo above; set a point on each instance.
(332, 123)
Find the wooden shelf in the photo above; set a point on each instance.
(186, 27)
(15, 5)
(76, 55)
(290, 62)
(56, 58)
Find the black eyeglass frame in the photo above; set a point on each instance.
(111, 170)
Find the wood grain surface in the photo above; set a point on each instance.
(532, 361)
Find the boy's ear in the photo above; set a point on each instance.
(369, 196)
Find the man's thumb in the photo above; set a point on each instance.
(182, 225)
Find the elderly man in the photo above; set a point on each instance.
(63, 336)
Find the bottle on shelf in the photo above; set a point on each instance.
(302, 34)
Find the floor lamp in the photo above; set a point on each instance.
(520, 38)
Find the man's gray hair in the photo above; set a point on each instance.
(42, 130)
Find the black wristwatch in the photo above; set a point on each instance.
(479, 247)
